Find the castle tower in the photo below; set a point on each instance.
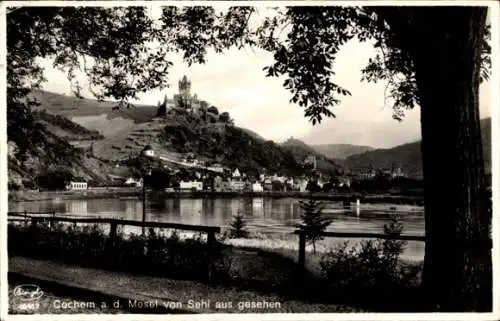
(185, 87)
(184, 97)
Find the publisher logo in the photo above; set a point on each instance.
(28, 292)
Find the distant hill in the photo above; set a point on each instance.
(409, 157)
(301, 150)
(299, 146)
(70, 106)
(340, 151)
(180, 134)
(65, 128)
(101, 116)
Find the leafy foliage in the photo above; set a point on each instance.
(122, 50)
(312, 221)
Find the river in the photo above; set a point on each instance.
(265, 215)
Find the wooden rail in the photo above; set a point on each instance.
(210, 230)
(30, 213)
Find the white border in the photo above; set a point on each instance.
(495, 101)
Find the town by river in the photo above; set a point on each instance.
(266, 215)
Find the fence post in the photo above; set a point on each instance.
(210, 244)
(302, 252)
(25, 219)
(34, 221)
(51, 220)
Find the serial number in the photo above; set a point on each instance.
(29, 306)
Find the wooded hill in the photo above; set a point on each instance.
(409, 157)
(301, 150)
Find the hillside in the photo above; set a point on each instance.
(180, 134)
(53, 154)
(100, 116)
(70, 106)
(301, 150)
(128, 131)
(409, 157)
(340, 151)
(65, 128)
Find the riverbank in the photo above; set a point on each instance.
(33, 196)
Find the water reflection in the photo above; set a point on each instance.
(262, 214)
(78, 207)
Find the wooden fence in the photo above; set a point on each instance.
(35, 218)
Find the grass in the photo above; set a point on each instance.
(259, 264)
(153, 288)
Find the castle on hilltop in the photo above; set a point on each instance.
(182, 100)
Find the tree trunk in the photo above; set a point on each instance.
(457, 266)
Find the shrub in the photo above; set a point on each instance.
(153, 254)
(371, 272)
(238, 227)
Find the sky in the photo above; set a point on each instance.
(235, 82)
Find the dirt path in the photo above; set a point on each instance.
(189, 296)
